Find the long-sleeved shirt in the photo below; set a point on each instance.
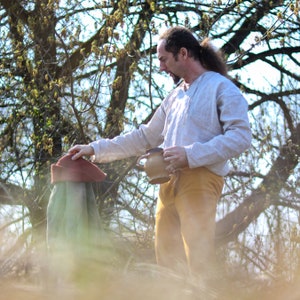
(210, 120)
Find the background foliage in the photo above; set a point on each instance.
(74, 71)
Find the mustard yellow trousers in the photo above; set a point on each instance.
(185, 220)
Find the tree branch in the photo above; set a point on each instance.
(265, 195)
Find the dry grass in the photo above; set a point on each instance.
(107, 275)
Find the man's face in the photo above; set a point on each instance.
(167, 62)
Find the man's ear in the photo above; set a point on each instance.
(184, 52)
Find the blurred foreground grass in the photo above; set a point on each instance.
(110, 274)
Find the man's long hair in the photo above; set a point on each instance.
(179, 37)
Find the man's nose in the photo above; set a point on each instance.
(162, 67)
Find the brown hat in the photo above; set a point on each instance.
(79, 170)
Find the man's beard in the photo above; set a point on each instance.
(176, 78)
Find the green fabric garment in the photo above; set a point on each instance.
(72, 216)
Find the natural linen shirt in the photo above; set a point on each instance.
(209, 120)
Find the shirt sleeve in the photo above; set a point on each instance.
(133, 143)
(234, 137)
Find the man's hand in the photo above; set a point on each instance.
(81, 150)
(176, 156)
